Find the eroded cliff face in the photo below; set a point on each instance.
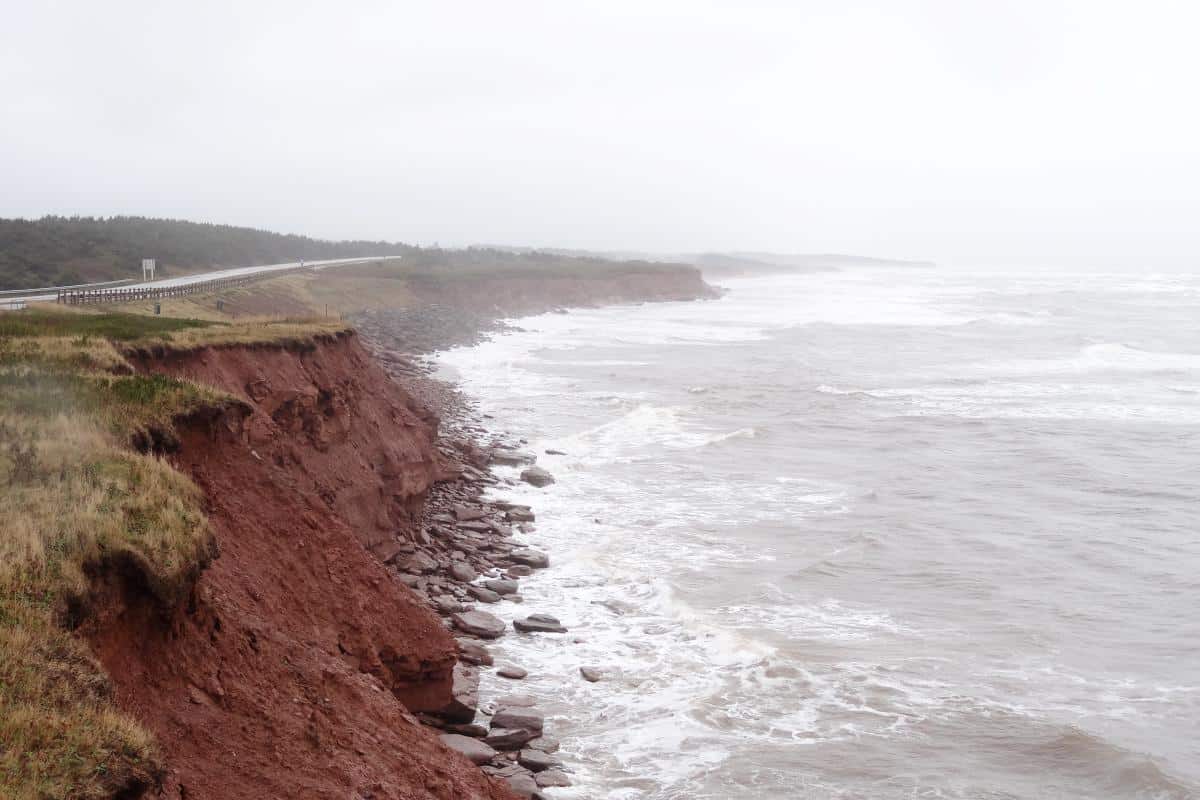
(294, 666)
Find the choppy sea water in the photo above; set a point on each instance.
(878, 533)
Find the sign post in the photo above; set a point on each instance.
(147, 269)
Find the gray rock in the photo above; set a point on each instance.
(523, 718)
(464, 701)
(483, 594)
(462, 572)
(511, 458)
(468, 513)
(552, 777)
(590, 674)
(474, 653)
(418, 563)
(479, 752)
(539, 623)
(520, 515)
(472, 729)
(512, 672)
(545, 744)
(530, 557)
(524, 786)
(515, 701)
(448, 605)
(508, 738)
(502, 586)
(553, 452)
(515, 571)
(479, 623)
(536, 476)
(536, 760)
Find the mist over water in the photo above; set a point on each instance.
(880, 533)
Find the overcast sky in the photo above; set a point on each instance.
(1015, 131)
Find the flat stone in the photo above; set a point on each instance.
(479, 623)
(544, 743)
(462, 572)
(477, 526)
(590, 674)
(536, 760)
(448, 605)
(483, 594)
(473, 729)
(473, 652)
(515, 701)
(512, 672)
(539, 623)
(523, 718)
(520, 515)
(511, 458)
(524, 786)
(536, 476)
(468, 513)
(418, 563)
(509, 738)
(530, 557)
(517, 571)
(552, 777)
(502, 585)
(479, 752)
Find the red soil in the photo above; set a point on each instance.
(292, 670)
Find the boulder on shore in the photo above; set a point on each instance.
(464, 701)
(530, 558)
(511, 458)
(536, 476)
(523, 718)
(479, 752)
(590, 674)
(479, 623)
(509, 738)
(512, 672)
(539, 623)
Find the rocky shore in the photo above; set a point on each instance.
(462, 558)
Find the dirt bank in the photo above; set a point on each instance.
(294, 666)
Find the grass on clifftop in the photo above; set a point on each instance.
(77, 502)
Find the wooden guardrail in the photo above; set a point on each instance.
(76, 297)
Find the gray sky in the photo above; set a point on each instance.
(1032, 132)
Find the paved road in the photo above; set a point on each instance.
(232, 272)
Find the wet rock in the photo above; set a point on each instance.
(483, 594)
(472, 729)
(478, 526)
(536, 760)
(468, 513)
(519, 571)
(502, 586)
(464, 701)
(448, 605)
(479, 623)
(530, 558)
(418, 563)
(536, 476)
(524, 786)
(553, 452)
(474, 653)
(590, 674)
(479, 752)
(509, 738)
(512, 672)
(462, 572)
(523, 718)
(515, 701)
(552, 777)
(520, 514)
(545, 744)
(511, 458)
(539, 623)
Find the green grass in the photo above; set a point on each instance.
(77, 502)
(118, 327)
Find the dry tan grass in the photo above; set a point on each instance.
(76, 502)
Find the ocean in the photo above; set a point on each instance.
(870, 533)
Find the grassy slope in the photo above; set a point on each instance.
(75, 498)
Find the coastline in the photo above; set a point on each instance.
(467, 557)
